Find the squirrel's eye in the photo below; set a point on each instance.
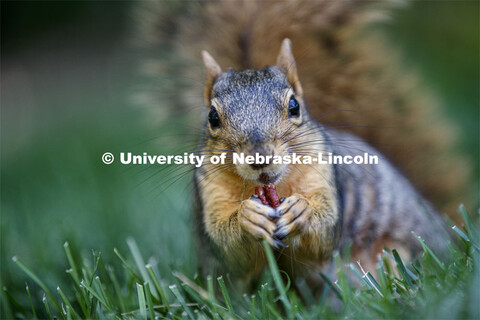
(293, 108)
(214, 118)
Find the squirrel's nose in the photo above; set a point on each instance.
(258, 166)
(262, 151)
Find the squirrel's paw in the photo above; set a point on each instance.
(295, 212)
(256, 219)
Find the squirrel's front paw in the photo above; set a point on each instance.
(295, 212)
(257, 220)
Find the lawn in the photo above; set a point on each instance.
(128, 287)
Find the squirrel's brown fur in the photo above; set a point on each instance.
(350, 79)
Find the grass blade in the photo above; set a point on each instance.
(402, 268)
(99, 285)
(148, 294)
(6, 311)
(72, 263)
(180, 299)
(67, 303)
(374, 283)
(125, 263)
(264, 301)
(468, 222)
(97, 296)
(226, 296)
(137, 257)
(252, 307)
(37, 280)
(81, 295)
(430, 252)
(47, 308)
(31, 302)
(460, 233)
(141, 301)
(116, 286)
(156, 283)
(277, 279)
(331, 285)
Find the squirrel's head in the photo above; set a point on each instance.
(255, 111)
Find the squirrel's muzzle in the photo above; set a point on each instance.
(263, 151)
(263, 169)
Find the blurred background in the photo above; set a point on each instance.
(69, 73)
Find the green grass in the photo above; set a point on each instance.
(125, 287)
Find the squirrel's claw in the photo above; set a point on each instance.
(295, 212)
(256, 220)
(278, 241)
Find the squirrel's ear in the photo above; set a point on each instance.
(286, 62)
(213, 71)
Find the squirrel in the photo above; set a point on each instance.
(326, 206)
(352, 98)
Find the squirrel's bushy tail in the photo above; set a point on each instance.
(349, 77)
